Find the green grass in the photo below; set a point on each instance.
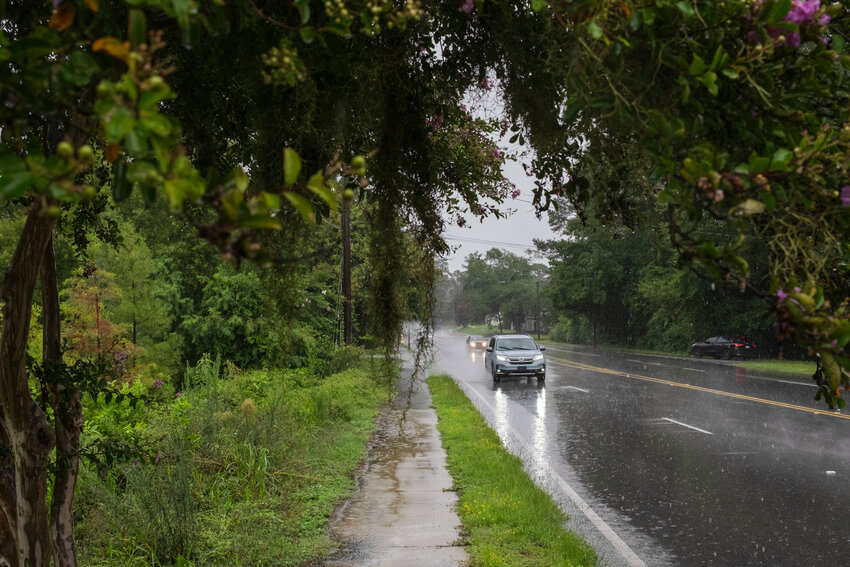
(507, 519)
(799, 368)
(264, 458)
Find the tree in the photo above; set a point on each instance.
(88, 79)
(742, 119)
(500, 285)
(595, 274)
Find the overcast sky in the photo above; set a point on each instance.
(514, 234)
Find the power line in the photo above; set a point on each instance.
(470, 240)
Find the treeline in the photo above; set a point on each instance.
(143, 291)
(612, 285)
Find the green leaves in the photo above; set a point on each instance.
(15, 177)
(121, 186)
(781, 159)
(302, 205)
(777, 10)
(291, 166)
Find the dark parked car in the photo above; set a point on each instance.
(721, 347)
(476, 341)
(515, 354)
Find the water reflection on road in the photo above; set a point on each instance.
(682, 460)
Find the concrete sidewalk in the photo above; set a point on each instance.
(404, 513)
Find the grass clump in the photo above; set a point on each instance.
(508, 520)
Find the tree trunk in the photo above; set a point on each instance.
(67, 417)
(26, 428)
(8, 553)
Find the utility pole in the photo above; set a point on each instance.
(537, 320)
(346, 270)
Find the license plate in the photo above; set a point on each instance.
(521, 368)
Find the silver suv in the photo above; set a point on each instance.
(515, 354)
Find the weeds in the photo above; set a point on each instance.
(247, 468)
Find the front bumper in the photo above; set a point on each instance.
(535, 368)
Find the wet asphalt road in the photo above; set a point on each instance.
(669, 461)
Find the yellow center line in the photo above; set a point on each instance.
(580, 366)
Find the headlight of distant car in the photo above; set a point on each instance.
(538, 357)
(502, 358)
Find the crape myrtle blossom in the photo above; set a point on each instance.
(845, 196)
(467, 6)
(803, 13)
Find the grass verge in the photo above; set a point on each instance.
(797, 368)
(507, 519)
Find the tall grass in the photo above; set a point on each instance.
(244, 469)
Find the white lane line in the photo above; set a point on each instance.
(645, 362)
(631, 558)
(686, 425)
(807, 384)
(694, 370)
(579, 389)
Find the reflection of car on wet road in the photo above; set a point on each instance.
(721, 347)
(476, 341)
(515, 354)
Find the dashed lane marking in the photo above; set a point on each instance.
(686, 425)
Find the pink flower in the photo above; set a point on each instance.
(496, 153)
(157, 383)
(802, 11)
(781, 296)
(328, 308)
(845, 196)
(158, 457)
(179, 394)
(515, 193)
(486, 84)
(467, 6)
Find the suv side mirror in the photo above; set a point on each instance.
(489, 349)
(541, 347)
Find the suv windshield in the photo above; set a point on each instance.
(519, 343)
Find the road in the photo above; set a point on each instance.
(670, 461)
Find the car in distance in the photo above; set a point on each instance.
(509, 355)
(722, 347)
(476, 341)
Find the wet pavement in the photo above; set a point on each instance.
(404, 512)
(669, 461)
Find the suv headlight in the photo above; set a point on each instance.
(538, 357)
(501, 358)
